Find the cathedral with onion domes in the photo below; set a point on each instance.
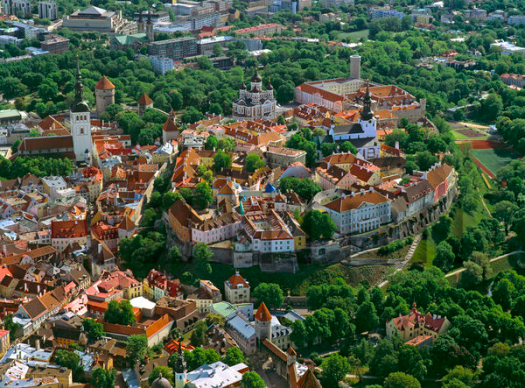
(254, 103)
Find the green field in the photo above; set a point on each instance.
(356, 35)
(494, 158)
(459, 136)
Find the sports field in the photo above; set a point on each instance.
(493, 158)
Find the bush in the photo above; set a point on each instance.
(394, 246)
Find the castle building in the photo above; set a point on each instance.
(104, 94)
(255, 103)
(416, 324)
(80, 117)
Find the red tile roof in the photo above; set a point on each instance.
(145, 100)
(236, 280)
(69, 229)
(104, 84)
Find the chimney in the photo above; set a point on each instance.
(396, 145)
(99, 248)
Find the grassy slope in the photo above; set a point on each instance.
(425, 252)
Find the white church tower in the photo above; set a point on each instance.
(367, 119)
(80, 117)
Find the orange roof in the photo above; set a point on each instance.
(104, 84)
(439, 174)
(145, 100)
(236, 280)
(126, 224)
(354, 201)
(69, 229)
(169, 126)
(263, 314)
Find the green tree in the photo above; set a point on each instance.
(203, 195)
(234, 356)
(441, 229)
(13, 327)
(269, 293)
(104, 378)
(199, 357)
(252, 380)
(70, 360)
(254, 162)
(166, 373)
(136, 348)
(299, 333)
(502, 293)
(120, 313)
(221, 160)
(174, 255)
(94, 329)
(504, 211)
(366, 317)
(491, 107)
(203, 254)
(307, 189)
(444, 256)
(335, 368)
(401, 380)
(318, 225)
(211, 143)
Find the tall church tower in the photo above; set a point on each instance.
(367, 118)
(180, 368)
(149, 29)
(80, 117)
(140, 24)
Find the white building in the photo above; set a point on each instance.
(268, 233)
(255, 103)
(217, 375)
(161, 64)
(359, 212)
(509, 48)
(47, 10)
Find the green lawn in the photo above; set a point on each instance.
(299, 282)
(356, 35)
(425, 252)
(459, 136)
(494, 158)
(462, 220)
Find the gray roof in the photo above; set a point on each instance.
(93, 11)
(348, 129)
(244, 328)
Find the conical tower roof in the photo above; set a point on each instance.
(263, 314)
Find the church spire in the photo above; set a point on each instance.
(79, 105)
(180, 364)
(367, 113)
(78, 85)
